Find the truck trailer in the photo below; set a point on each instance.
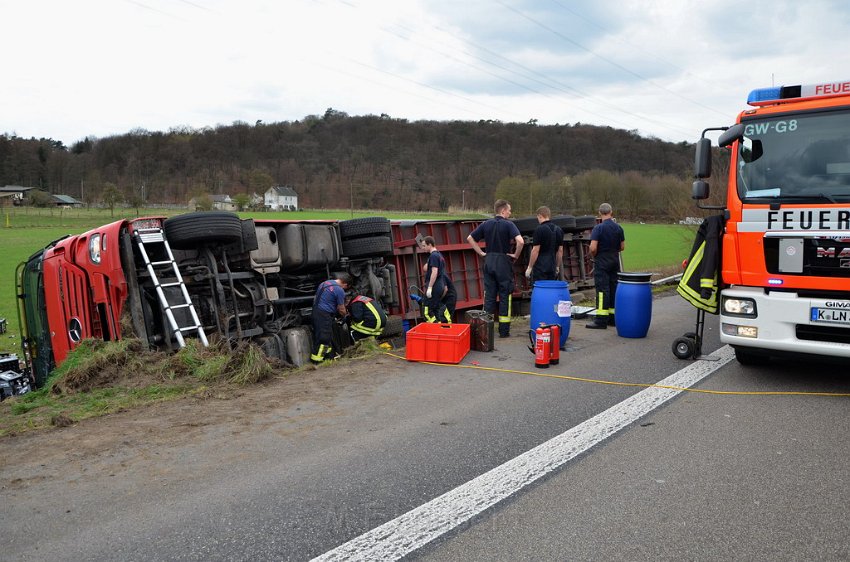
(197, 274)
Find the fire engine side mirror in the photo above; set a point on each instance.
(730, 135)
(700, 190)
(702, 159)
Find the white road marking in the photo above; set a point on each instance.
(416, 528)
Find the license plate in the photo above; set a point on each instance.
(830, 315)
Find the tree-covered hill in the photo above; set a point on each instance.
(336, 160)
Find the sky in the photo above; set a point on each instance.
(666, 69)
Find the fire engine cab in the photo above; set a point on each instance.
(785, 265)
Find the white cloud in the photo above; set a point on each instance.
(665, 68)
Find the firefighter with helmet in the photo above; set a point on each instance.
(366, 317)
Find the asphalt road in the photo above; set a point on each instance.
(703, 476)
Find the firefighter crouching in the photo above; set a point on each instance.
(366, 317)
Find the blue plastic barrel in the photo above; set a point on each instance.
(546, 299)
(633, 304)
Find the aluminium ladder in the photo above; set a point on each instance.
(155, 236)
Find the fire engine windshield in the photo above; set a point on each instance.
(799, 158)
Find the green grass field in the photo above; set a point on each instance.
(649, 247)
(657, 248)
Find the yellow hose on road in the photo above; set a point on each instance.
(641, 385)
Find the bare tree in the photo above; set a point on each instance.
(111, 196)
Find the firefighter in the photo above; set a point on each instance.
(498, 233)
(449, 299)
(435, 282)
(328, 303)
(366, 317)
(547, 255)
(607, 240)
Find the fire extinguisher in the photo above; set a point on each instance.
(541, 347)
(555, 344)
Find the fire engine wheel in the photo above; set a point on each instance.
(193, 229)
(684, 348)
(364, 247)
(394, 327)
(366, 226)
(746, 356)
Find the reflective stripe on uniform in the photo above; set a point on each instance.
(507, 319)
(369, 331)
(321, 353)
(600, 301)
(428, 317)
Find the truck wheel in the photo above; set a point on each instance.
(364, 247)
(566, 222)
(586, 222)
(684, 348)
(363, 227)
(394, 326)
(194, 229)
(526, 225)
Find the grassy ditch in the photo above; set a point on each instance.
(100, 378)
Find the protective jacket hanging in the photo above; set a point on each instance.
(700, 282)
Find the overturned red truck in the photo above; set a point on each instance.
(197, 274)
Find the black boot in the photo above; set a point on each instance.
(611, 320)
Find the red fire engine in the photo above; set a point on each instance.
(785, 269)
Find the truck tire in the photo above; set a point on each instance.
(586, 222)
(196, 229)
(395, 326)
(526, 225)
(367, 247)
(564, 221)
(364, 227)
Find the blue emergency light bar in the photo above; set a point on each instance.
(764, 96)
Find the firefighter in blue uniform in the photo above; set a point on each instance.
(366, 317)
(449, 299)
(435, 282)
(498, 233)
(547, 255)
(328, 303)
(607, 240)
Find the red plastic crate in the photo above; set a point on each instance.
(438, 343)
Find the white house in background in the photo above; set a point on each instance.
(223, 203)
(219, 202)
(281, 198)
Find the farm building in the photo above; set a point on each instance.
(281, 198)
